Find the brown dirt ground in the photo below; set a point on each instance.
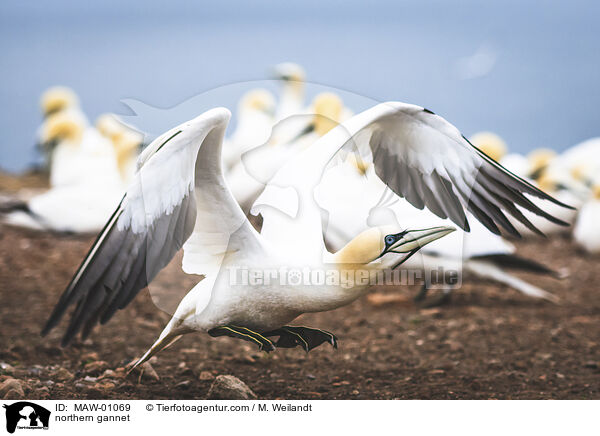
(489, 342)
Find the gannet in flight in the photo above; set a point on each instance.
(180, 199)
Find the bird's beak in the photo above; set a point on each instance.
(413, 240)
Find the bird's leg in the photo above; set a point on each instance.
(306, 337)
(243, 333)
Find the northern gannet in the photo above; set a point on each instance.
(179, 198)
(53, 101)
(85, 183)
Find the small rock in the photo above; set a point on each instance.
(42, 393)
(205, 375)
(379, 299)
(12, 384)
(591, 365)
(62, 374)
(89, 379)
(310, 376)
(183, 385)
(228, 387)
(109, 373)
(14, 394)
(92, 356)
(106, 386)
(96, 367)
(148, 372)
(6, 368)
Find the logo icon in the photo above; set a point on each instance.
(26, 415)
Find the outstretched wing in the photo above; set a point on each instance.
(425, 159)
(154, 219)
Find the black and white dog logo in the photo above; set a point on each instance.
(26, 415)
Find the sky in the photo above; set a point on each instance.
(527, 70)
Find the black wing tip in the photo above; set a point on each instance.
(428, 111)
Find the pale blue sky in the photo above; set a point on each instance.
(538, 85)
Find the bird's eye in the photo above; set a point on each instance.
(390, 239)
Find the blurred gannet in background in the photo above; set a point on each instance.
(85, 182)
(366, 201)
(587, 227)
(257, 166)
(57, 99)
(495, 147)
(255, 119)
(291, 101)
(53, 101)
(180, 198)
(80, 152)
(126, 141)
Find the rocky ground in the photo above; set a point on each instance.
(488, 342)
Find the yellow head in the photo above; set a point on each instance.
(547, 183)
(387, 243)
(539, 159)
(258, 100)
(58, 98)
(63, 126)
(327, 108)
(491, 144)
(582, 172)
(127, 147)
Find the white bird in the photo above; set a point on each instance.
(180, 197)
(587, 231)
(53, 101)
(85, 183)
(291, 102)
(80, 153)
(354, 199)
(256, 166)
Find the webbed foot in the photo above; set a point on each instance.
(244, 333)
(305, 337)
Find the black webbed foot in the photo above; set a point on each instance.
(244, 333)
(305, 337)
